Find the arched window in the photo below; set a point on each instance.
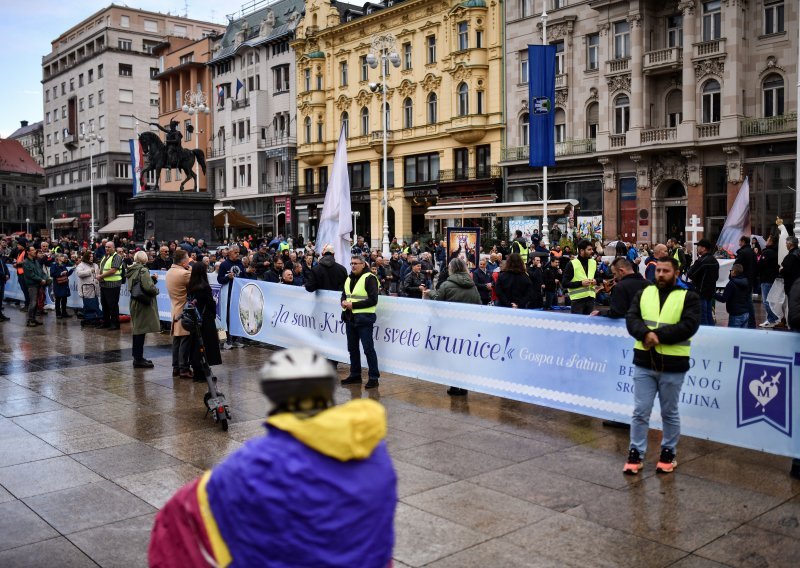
(408, 113)
(622, 114)
(524, 129)
(592, 120)
(307, 129)
(364, 121)
(346, 124)
(674, 105)
(561, 125)
(773, 95)
(432, 113)
(387, 116)
(463, 100)
(711, 101)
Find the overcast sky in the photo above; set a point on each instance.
(28, 26)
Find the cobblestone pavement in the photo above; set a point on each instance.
(92, 447)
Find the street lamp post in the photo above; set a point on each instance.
(27, 226)
(383, 52)
(195, 102)
(356, 215)
(545, 228)
(91, 138)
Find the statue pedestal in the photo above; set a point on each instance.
(172, 215)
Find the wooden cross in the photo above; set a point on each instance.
(693, 227)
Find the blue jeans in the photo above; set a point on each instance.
(706, 312)
(360, 330)
(771, 316)
(739, 320)
(751, 312)
(648, 383)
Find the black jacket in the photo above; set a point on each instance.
(481, 279)
(794, 306)
(551, 275)
(747, 258)
(736, 296)
(326, 275)
(537, 282)
(790, 269)
(513, 288)
(668, 334)
(412, 282)
(623, 292)
(704, 273)
(767, 266)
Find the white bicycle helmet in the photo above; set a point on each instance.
(298, 380)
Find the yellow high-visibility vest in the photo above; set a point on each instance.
(655, 316)
(359, 292)
(579, 275)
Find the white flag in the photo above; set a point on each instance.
(737, 224)
(336, 221)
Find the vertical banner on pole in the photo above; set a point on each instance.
(542, 94)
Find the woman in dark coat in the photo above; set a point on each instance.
(514, 287)
(60, 274)
(200, 290)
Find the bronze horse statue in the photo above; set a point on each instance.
(155, 152)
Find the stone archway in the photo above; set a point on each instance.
(669, 210)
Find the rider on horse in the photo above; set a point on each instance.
(172, 141)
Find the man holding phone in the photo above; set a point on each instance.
(229, 269)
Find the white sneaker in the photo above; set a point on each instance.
(767, 325)
(227, 346)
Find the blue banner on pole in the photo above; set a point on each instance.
(542, 95)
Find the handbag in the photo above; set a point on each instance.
(138, 293)
(63, 279)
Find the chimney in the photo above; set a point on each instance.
(23, 123)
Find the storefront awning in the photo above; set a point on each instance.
(65, 222)
(516, 209)
(235, 220)
(120, 225)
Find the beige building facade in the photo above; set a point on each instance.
(100, 77)
(662, 109)
(444, 115)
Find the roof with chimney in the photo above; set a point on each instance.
(27, 129)
(14, 159)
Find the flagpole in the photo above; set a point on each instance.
(797, 166)
(545, 238)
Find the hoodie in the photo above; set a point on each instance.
(458, 287)
(326, 275)
(736, 295)
(316, 491)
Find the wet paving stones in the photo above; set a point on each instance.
(91, 448)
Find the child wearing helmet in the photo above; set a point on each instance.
(318, 490)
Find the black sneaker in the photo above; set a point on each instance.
(351, 381)
(795, 471)
(372, 384)
(634, 464)
(667, 462)
(455, 391)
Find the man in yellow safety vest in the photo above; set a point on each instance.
(580, 278)
(662, 318)
(111, 276)
(359, 301)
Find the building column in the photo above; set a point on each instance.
(732, 99)
(637, 81)
(603, 117)
(686, 129)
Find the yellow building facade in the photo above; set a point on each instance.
(445, 109)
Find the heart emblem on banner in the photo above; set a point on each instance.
(763, 392)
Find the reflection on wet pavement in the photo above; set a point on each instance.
(92, 447)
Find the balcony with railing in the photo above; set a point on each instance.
(376, 141)
(570, 147)
(235, 104)
(708, 130)
(667, 59)
(561, 80)
(783, 124)
(277, 141)
(615, 66)
(709, 48)
(617, 140)
(469, 128)
(652, 135)
(467, 174)
(311, 154)
(213, 152)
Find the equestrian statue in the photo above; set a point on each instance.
(159, 155)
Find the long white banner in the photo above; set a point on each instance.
(739, 390)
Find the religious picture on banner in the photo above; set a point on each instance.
(590, 227)
(529, 228)
(464, 243)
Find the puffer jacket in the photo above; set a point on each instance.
(88, 286)
(459, 288)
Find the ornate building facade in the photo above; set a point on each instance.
(662, 109)
(444, 109)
